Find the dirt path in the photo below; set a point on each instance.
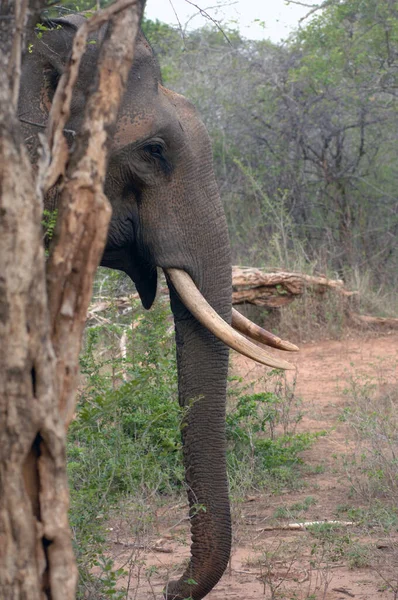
(283, 561)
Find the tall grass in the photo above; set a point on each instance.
(371, 414)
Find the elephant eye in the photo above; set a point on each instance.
(155, 150)
(155, 156)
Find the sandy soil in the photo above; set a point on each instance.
(281, 560)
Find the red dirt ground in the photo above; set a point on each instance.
(324, 370)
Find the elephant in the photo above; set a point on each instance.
(166, 214)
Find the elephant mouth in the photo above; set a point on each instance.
(194, 301)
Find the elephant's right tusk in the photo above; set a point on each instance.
(257, 333)
(203, 312)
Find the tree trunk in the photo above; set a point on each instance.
(35, 544)
(40, 330)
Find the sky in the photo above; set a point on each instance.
(278, 17)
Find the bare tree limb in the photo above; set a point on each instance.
(54, 165)
(84, 211)
(313, 8)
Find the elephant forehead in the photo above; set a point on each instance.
(144, 116)
(131, 129)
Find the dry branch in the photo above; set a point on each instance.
(280, 288)
(84, 211)
(254, 286)
(160, 549)
(269, 290)
(369, 321)
(303, 526)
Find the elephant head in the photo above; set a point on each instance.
(167, 214)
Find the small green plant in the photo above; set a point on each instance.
(48, 222)
(295, 510)
(334, 545)
(327, 536)
(261, 435)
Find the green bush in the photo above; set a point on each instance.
(261, 435)
(127, 427)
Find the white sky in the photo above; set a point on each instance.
(278, 16)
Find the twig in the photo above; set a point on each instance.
(44, 125)
(178, 21)
(303, 526)
(204, 13)
(311, 6)
(343, 591)
(183, 520)
(143, 547)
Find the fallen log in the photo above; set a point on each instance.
(385, 322)
(255, 286)
(273, 290)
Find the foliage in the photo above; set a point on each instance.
(125, 436)
(305, 152)
(261, 435)
(48, 222)
(335, 546)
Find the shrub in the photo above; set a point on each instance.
(261, 435)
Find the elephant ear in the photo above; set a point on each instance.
(145, 278)
(139, 269)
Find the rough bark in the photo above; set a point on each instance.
(40, 329)
(84, 210)
(273, 290)
(36, 557)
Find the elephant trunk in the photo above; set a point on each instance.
(202, 369)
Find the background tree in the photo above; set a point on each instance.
(304, 136)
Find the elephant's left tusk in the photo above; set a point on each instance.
(201, 310)
(255, 332)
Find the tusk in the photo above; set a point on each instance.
(203, 312)
(253, 331)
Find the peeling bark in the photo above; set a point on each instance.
(84, 211)
(41, 327)
(33, 486)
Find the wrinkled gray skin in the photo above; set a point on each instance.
(166, 213)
